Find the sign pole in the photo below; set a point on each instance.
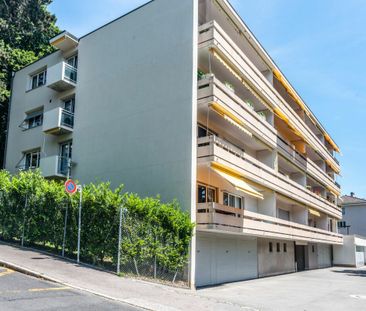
(79, 222)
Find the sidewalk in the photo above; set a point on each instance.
(137, 293)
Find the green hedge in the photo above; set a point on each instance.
(153, 232)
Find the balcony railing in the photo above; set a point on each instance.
(55, 166)
(220, 217)
(58, 121)
(211, 89)
(70, 73)
(212, 148)
(61, 77)
(214, 38)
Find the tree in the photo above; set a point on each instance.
(25, 28)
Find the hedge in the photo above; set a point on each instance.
(155, 235)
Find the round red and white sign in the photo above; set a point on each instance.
(70, 186)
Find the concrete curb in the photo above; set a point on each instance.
(50, 279)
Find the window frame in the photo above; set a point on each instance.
(35, 79)
(207, 188)
(33, 155)
(232, 197)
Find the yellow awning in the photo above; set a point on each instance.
(237, 75)
(230, 117)
(237, 182)
(336, 193)
(315, 213)
(332, 166)
(302, 105)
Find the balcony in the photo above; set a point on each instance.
(58, 122)
(61, 77)
(55, 166)
(306, 164)
(214, 216)
(213, 39)
(212, 90)
(211, 149)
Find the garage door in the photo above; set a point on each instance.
(221, 260)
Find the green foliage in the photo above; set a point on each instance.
(155, 235)
(25, 29)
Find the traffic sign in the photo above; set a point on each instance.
(70, 186)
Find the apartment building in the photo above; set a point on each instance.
(353, 216)
(179, 98)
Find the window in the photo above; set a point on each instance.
(203, 131)
(32, 159)
(270, 247)
(342, 224)
(206, 194)
(285, 247)
(313, 248)
(282, 214)
(38, 79)
(73, 61)
(69, 105)
(32, 120)
(232, 200)
(343, 211)
(65, 158)
(278, 247)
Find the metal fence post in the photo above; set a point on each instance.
(79, 222)
(25, 209)
(64, 237)
(119, 240)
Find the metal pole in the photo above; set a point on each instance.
(119, 240)
(79, 224)
(64, 238)
(25, 209)
(68, 168)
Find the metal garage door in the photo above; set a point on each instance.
(221, 260)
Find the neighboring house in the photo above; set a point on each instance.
(353, 216)
(237, 146)
(353, 226)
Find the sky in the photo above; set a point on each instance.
(318, 45)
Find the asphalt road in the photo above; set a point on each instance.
(21, 292)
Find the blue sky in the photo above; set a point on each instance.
(319, 46)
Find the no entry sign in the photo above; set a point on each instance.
(70, 186)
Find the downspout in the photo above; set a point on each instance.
(8, 120)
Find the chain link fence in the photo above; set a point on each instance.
(118, 239)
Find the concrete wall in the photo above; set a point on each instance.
(135, 102)
(275, 262)
(311, 257)
(345, 254)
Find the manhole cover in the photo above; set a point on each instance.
(358, 296)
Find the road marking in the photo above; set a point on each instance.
(48, 289)
(6, 272)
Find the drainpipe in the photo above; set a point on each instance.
(8, 121)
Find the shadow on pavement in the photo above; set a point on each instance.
(350, 272)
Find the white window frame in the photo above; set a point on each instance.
(235, 197)
(36, 76)
(33, 155)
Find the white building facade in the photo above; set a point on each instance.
(179, 98)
